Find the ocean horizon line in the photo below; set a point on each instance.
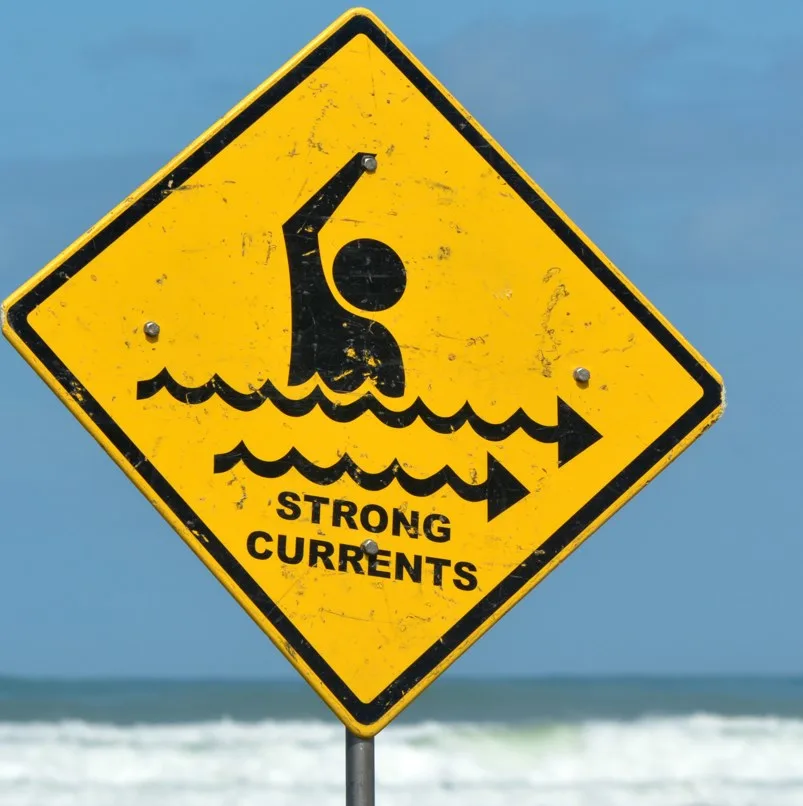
(509, 700)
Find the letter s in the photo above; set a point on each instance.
(465, 571)
(291, 510)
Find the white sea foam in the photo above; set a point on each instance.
(691, 761)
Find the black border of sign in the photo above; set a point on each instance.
(371, 712)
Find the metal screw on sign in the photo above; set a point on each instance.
(151, 329)
(582, 375)
(370, 547)
(369, 163)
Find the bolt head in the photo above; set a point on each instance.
(370, 547)
(582, 375)
(369, 163)
(151, 329)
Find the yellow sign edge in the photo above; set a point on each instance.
(192, 539)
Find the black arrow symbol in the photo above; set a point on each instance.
(572, 433)
(501, 489)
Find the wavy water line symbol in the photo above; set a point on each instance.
(501, 489)
(571, 433)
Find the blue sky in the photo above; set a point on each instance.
(669, 132)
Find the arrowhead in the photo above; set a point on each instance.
(574, 433)
(503, 488)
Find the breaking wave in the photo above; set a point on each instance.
(696, 760)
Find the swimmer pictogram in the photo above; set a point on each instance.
(340, 347)
(501, 489)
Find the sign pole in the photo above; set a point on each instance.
(359, 770)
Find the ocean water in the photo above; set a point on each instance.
(713, 742)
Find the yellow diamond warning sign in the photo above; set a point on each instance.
(374, 377)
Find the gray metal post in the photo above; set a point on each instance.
(359, 770)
